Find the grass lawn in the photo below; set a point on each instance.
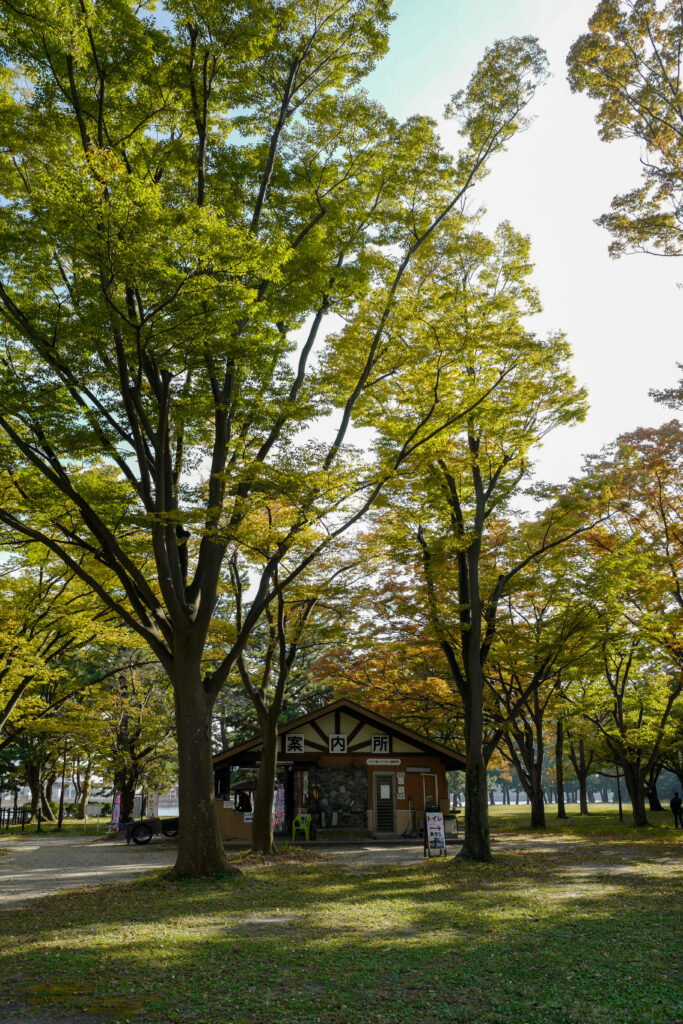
(586, 933)
(602, 822)
(70, 827)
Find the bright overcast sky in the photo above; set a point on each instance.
(623, 316)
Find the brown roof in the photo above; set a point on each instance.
(343, 704)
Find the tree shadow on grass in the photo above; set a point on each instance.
(522, 940)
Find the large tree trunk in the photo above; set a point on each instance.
(86, 787)
(537, 808)
(200, 847)
(46, 810)
(636, 791)
(526, 753)
(33, 781)
(583, 774)
(477, 841)
(262, 827)
(125, 782)
(559, 768)
(536, 769)
(49, 786)
(533, 790)
(653, 795)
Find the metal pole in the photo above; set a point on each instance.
(60, 816)
(621, 809)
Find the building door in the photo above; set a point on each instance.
(384, 803)
(430, 791)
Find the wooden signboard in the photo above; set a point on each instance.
(435, 833)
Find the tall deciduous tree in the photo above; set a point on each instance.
(127, 728)
(50, 627)
(630, 684)
(542, 635)
(630, 707)
(630, 60)
(467, 351)
(389, 659)
(307, 618)
(180, 196)
(643, 548)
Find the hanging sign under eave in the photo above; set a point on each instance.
(383, 760)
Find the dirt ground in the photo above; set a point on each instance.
(31, 868)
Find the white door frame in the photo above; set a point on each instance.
(431, 775)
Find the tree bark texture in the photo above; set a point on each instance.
(86, 788)
(636, 790)
(262, 826)
(477, 842)
(125, 782)
(49, 786)
(32, 775)
(653, 795)
(525, 747)
(46, 810)
(582, 778)
(200, 846)
(537, 808)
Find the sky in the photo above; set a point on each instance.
(622, 317)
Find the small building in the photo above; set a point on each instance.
(349, 768)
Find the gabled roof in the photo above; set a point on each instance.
(454, 759)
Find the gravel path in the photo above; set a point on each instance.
(33, 868)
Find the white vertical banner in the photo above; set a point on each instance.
(115, 813)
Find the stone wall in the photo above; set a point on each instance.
(344, 790)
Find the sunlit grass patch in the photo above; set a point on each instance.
(533, 938)
(601, 821)
(71, 827)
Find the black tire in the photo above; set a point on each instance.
(170, 827)
(141, 834)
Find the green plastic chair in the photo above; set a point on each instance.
(302, 823)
